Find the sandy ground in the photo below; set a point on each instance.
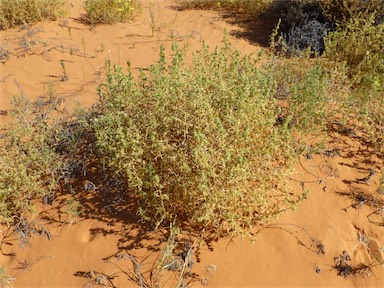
(298, 250)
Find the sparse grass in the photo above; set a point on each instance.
(251, 7)
(176, 257)
(111, 11)
(342, 11)
(17, 12)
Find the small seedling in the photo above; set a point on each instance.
(4, 54)
(73, 210)
(64, 76)
(209, 269)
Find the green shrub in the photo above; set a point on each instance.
(16, 12)
(197, 145)
(30, 165)
(359, 47)
(111, 11)
(356, 51)
(301, 88)
(341, 12)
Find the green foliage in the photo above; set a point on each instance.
(4, 55)
(341, 11)
(198, 144)
(301, 87)
(73, 210)
(17, 12)
(359, 47)
(30, 164)
(111, 11)
(356, 51)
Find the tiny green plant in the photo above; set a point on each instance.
(111, 11)
(64, 75)
(5, 54)
(73, 210)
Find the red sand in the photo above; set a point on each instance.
(286, 253)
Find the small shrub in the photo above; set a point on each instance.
(111, 11)
(197, 145)
(301, 88)
(356, 51)
(359, 46)
(31, 158)
(17, 12)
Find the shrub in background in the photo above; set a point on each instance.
(251, 7)
(111, 11)
(308, 36)
(356, 50)
(301, 91)
(341, 12)
(359, 47)
(17, 12)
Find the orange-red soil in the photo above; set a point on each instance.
(297, 250)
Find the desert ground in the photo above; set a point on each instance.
(100, 247)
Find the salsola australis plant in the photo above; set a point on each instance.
(199, 144)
